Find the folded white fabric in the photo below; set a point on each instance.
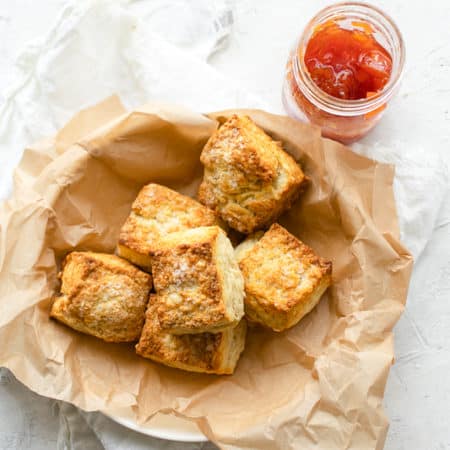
(157, 50)
(198, 28)
(99, 48)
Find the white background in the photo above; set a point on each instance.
(418, 393)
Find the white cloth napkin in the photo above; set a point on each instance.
(145, 51)
(98, 48)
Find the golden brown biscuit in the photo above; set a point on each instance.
(198, 283)
(102, 295)
(249, 179)
(205, 352)
(283, 277)
(156, 212)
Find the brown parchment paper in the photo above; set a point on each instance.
(318, 386)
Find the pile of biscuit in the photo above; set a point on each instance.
(177, 285)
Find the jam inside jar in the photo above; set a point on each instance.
(344, 70)
(347, 63)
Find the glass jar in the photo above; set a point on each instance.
(343, 120)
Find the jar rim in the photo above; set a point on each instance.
(344, 107)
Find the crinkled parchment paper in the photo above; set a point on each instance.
(319, 385)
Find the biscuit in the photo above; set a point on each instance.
(205, 352)
(199, 287)
(156, 212)
(102, 295)
(284, 279)
(248, 178)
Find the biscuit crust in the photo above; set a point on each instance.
(156, 212)
(198, 283)
(206, 352)
(102, 295)
(248, 178)
(284, 278)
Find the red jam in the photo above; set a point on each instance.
(347, 63)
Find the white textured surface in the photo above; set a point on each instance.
(418, 392)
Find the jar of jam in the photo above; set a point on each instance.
(344, 69)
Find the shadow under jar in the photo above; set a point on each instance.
(344, 69)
